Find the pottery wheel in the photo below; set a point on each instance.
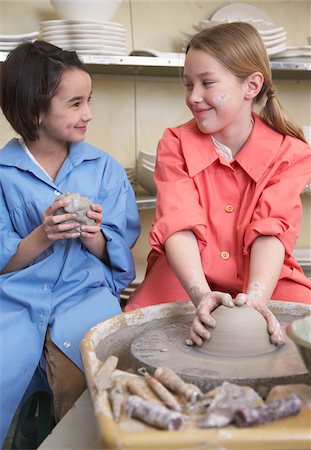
(165, 346)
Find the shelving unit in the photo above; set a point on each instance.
(282, 68)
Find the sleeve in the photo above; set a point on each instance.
(279, 209)
(9, 238)
(121, 227)
(177, 204)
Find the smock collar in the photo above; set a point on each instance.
(254, 157)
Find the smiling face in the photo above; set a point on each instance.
(214, 95)
(69, 112)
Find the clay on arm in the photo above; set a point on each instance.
(183, 254)
(266, 260)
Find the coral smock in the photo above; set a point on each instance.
(226, 205)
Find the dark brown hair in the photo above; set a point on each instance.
(239, 47)
(29, 79)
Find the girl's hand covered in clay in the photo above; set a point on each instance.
(59, 226)
(89, 231)
(274, 327)
(203, 319)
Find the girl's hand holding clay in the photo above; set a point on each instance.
(253, 299)
(59, 226)
(206, 303)
(94, 213)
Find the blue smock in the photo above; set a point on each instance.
(66, 288)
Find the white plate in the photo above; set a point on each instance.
(62, 22)
(275, 50)
(288, 52)
(268, 29)
(19, 37)
(271, 37)
(80, 35)
(269, 44)
(83, 44)
(108, 52)
(84, 29)
(240, 11)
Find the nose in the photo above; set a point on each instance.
(87, 113)
(194, 96)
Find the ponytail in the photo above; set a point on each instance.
(274, 115)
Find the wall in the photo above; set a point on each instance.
(131, 113)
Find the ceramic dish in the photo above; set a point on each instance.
(84, 43)
(271, 37)
(81, 35)
(107, 52)
(49, 23)
(275, 50)
(300, 332)
(274, 42)
(19, 37)
(292, 51)
(240, 11)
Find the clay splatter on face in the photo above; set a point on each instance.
(221, 100)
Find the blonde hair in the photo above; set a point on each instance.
(239, 47)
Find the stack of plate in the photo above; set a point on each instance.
(93, 37)
(274, 37)
(145, 171)
(10, 41)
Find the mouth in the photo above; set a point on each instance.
(82, 129)
(200, 112)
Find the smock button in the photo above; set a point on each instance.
(225, 255)
(66, 344)
(229, 208)
(56, 193)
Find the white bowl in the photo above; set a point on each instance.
(145, 176)
(86, 9)
(151, 157)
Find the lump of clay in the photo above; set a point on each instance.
(240, 331)
(77, 204)
(230, 397)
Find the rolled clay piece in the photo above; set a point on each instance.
(79, 205)
(153, 413)
(270, 411)
(302, 390)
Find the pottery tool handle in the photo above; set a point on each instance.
(102, 378)
(135, 388)
(270, 411)
(116, 397)
(160, 390)
(174, 383)
(153, 413)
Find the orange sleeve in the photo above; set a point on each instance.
(279, 209)
(177, 205)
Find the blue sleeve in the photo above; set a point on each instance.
(9, 239)
(121, 227)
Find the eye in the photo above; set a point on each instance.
(76, 105)
(188, 86)
(89, 99)
(207, 83)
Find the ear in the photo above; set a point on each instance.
(253, 85)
